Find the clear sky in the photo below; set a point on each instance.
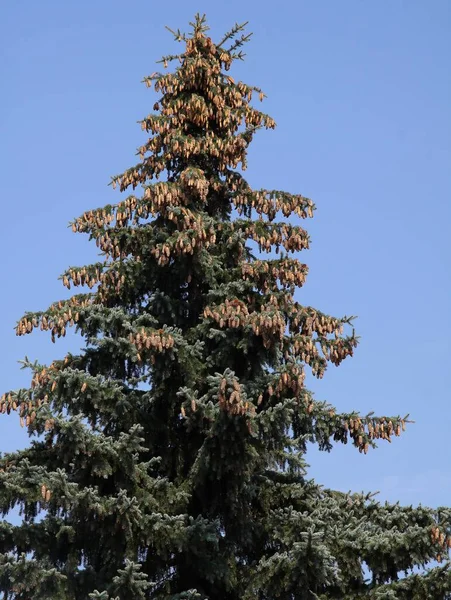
(361, 93)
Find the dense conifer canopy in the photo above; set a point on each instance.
(167, 458)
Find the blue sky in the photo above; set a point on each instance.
(361, 94)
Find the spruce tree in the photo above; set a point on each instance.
(167, 458)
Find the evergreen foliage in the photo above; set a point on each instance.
(167, 458)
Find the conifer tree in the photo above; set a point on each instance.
(167, 458)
